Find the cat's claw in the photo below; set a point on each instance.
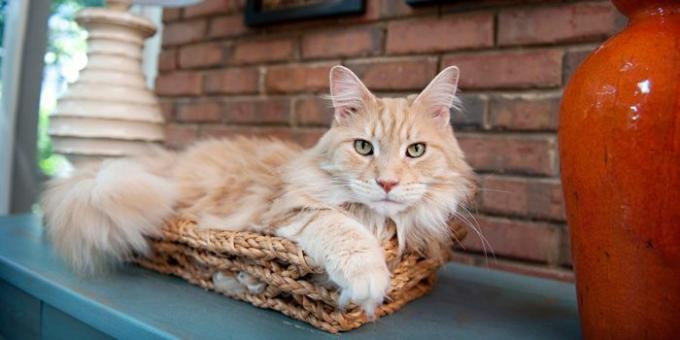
(366, 288)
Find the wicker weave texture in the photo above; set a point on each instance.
(196, 254)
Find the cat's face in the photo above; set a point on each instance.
(393, 154)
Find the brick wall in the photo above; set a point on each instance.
(221, 78)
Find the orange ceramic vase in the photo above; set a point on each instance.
(619, 140)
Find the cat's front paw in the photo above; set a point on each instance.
(365, 283)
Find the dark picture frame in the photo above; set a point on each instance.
(422, 2)
(255, 16)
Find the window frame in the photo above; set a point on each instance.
(22, 67)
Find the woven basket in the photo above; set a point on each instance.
(196, 254)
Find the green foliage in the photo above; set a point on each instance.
(81, 3)
(65, 36)
(48, 161)
(56, 4)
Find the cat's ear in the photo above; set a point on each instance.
(439, 96)
(348, 93)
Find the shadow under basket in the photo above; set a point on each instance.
(197, 254)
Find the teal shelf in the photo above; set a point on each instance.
(41, 298)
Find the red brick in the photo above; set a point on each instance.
(470, 259)
(200, 112)
(533, 241)
(227, 26)
(573, 59)
(523, 268)
(222, 131)
(473, 114)
(269, 111)
(552, 273)
(565, 249)
(167, 60)
(584, 21)
(434, 34)
(535, 154)
(168, 109)
(373, 9)
(521, 69)
(308, 137)
(263, 50)
(184, 32)
(202, 55)
(529, 112)
(304, 137)
(232, 81)
(343, 43)
(171, 14)
(395, 74)
(298, 78)
(520, 196)
(213, 7)
(177, 136)
(313, 111)
(179, 84)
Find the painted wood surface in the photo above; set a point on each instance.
(39, 296)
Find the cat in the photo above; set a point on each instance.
(383, 160)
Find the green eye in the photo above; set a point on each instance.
(363, 147)
(415, 150)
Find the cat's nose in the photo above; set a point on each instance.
(387, 185)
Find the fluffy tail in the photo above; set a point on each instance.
(101, 214)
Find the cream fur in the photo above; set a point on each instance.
(103, 212)
(325, 198)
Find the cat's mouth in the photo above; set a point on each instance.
(387, 207)
(389, 203)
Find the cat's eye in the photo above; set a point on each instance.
(415, 150)
(363, 147)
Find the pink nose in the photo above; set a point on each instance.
(387, 185)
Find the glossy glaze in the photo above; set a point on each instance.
(620, 160)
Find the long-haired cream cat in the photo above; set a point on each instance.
(383, 159)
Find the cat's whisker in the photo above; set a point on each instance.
(472, 223)
(495, 190)
(475, 224)
(477, 231)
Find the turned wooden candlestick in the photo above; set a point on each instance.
(109, 111)
(619, 142)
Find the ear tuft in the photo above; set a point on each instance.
(439, 96)
(348, 93)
